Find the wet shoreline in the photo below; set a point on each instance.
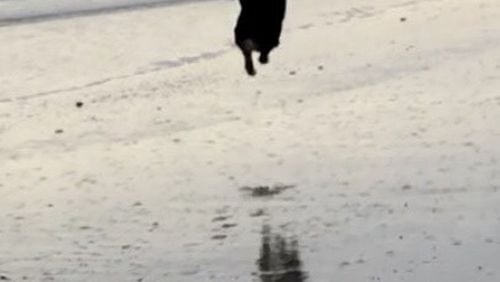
(134, 151)
(44, 14)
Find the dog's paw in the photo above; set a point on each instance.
(264, 59)
(249, 67)
(251, 72)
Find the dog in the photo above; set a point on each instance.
(258, 29)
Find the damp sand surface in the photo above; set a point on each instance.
(133, 146)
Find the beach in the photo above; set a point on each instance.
(23, 11)
(133, 146)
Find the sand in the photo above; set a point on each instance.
(133, 147)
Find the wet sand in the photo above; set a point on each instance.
(366, 151)
(14, 12)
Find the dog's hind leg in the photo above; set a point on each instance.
(247, 47)
(249, 63)
(265, 50)
(264, 57)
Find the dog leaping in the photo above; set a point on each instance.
(258, 29)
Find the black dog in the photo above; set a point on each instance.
(258, 29)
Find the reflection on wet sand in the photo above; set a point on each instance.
(279, 258)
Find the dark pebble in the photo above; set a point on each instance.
(229, 225)
(219, 237)
(344, 264)
(219, 218)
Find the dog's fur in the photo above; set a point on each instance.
(259, 29)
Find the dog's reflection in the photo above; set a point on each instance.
(279, 259)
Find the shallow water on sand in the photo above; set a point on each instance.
(12, 11)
